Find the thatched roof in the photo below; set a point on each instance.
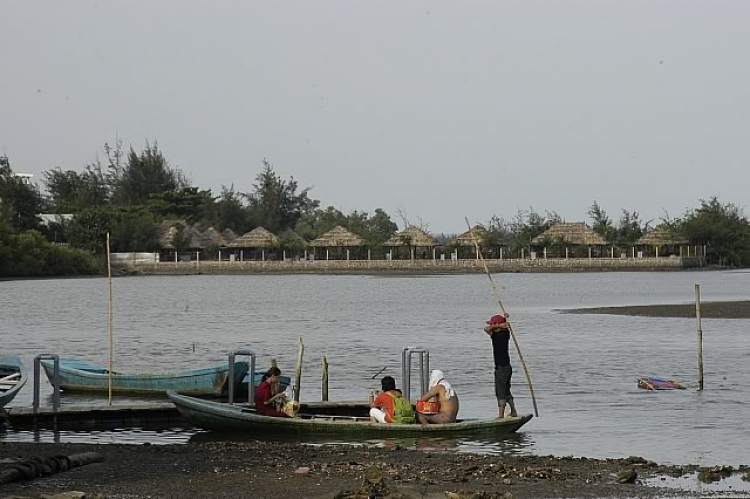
(576, 233)
(415, 236)
(229, 236)
(166, 230)
(337, 237)
(662, 235)
(467, 238)
(256, 238)
(290, 234)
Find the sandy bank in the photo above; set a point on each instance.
(709, 310)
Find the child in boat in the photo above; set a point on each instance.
(389, 406)
(445, 395)
(265, 400)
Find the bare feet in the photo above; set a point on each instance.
(513, 414)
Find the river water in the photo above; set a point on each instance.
(584, 367)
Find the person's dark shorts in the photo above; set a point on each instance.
(502, 383)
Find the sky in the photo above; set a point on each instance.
(436, 109)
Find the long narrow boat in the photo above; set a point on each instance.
(12, 378)
(659, 384)
(81, 376)
(325, 418)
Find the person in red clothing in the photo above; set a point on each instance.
(264, 397)
(382, 406)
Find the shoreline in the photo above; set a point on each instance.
(739, 309)
(275, 469)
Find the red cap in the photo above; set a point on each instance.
(496, 319)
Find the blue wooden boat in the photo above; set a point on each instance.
(82, 376)
(326, 418)
(12, 379)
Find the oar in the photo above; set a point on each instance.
(502, 307)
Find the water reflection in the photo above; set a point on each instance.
(115, 436)
(514, 444)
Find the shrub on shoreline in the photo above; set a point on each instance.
(29, 254)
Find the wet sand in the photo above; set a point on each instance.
(709, 310)
(288, 470)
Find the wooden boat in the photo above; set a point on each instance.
(659, 384)
(320, 418)
(82, 376)
(12, 379)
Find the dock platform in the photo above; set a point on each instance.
(155, 415)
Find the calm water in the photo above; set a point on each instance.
(584, 367)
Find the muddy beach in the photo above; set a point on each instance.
(709, 310)
(280, 470)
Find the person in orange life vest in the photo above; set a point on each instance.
(497, 329)
(264, 397)
(382, 406)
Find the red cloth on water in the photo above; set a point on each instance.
(262, 395)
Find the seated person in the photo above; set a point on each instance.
(443, 392)
(265, 400)
(390, 406)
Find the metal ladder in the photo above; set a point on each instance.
(55, 383)
(250, 376)
(424, 369)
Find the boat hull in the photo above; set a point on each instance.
(240, 418)
(10, 366)
(82, 377)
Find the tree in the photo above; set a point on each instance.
(527, 224)
(228, 211)
(190, 204)
(722, 228)
(142, 175)
(275, 203)
(71, 191)
(131, 229)
(630, 228)
(318, 222)
(20, 203)
(602, 224)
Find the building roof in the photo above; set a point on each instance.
(414, 235)
(662, 235)
(574, 233)
(467, 238)
(290, 234)
(337, 237)
(259, 237)
(166, 230)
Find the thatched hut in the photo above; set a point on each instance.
(565, 235)
(412, 238)
(664, 241)
(177, 237)
(258, 239)
(338, 239)
(464, 244)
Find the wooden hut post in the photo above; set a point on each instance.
(700, 335)
(522, 254)
(242, 255)
(305, 254)
(545, 252)
(657, 251)
(589, 252)
(412, 253)
(326, 254)
(633, 251)
(566, 252)
(324, 382)
(613, 252)
(283, 255)
(297, 381)
(219, 257)
(347, 254)
(175, 256)
(369, 254)
(197, 259)
(434, 254)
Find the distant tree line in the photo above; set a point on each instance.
(129, 193)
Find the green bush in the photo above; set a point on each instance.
(29, 254)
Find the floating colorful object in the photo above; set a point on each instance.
(659, 384)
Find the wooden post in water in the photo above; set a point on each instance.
(111, 341)
(297, 381)
(324, 387)
(700, 335)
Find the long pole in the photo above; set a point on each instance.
(324, 382)
(111, 342)
(700, 335)
(502, 307)
(298, 381)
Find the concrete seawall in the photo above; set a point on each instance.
(410, 267)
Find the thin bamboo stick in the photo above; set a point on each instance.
(324, 387)
(502, 307)
(298, 380)
(700, 335)
(111, 339)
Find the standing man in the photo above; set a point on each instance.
(497, 328)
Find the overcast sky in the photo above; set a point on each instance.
(445, 108)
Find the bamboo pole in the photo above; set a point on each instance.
(324, 387)
(297, 381)
(510, 329)
(700, 335)
(111, 341)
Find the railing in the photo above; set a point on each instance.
(250, 376)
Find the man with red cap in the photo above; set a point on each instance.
(497, 328)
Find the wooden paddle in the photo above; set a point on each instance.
(502, 307)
